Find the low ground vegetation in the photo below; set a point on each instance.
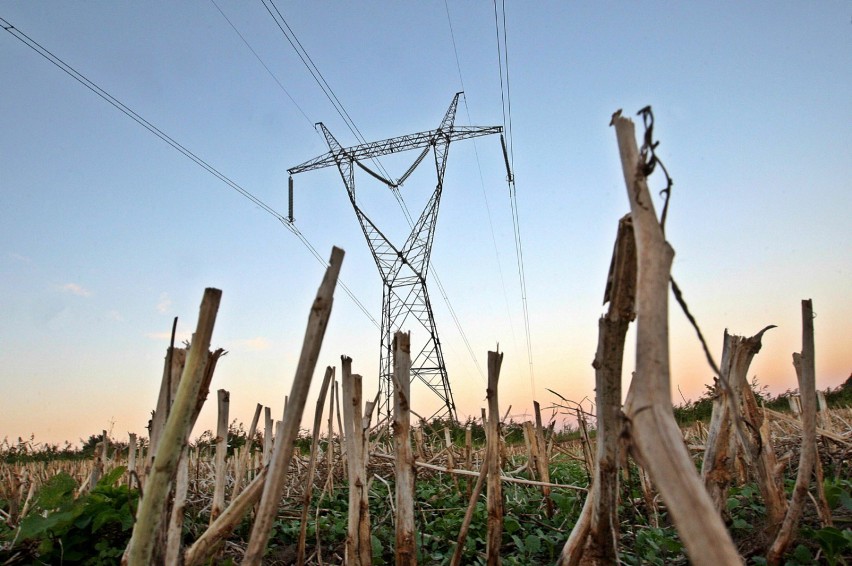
(59, 520)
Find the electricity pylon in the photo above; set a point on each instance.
(405, 298)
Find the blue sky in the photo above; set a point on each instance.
(106, 232)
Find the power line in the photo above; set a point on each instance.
(82, 79)
(509, 130)
(297, 46)
(505, 96)
(482, 181)
(268, 70)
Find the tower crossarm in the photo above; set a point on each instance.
(394, 145)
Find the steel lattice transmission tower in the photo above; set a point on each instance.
(403, 269)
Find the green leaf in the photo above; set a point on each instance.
(56, 492)
(833, 541)
(107, 516)
(532, 544)
(35, 527)
(732, 503)
(378, 548)
(846, 500)
(511, 525)
(803, 555)
(112, 477)
(519, 544)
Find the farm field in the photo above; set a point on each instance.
(50, 515)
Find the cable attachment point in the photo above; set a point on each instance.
(650, 160)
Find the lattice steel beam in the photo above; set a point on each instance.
(405, 298)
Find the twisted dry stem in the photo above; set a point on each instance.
(656, 439)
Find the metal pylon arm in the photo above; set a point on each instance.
(405, 298)
(394, 145)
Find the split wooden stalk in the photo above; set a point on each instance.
(583, 425)
(717, 464)
(173, 536)
(494, 502)
(531, 444)
(283, 451)
(359, 546)
(759, 445)
(174, 539)
(595, 535)
(329, 453)
(805, 372)
(218, 505)
(723, 445)
(312, 467)
(824, 412)
(543, 459)
(131, 460)
(175, 433)
(97, 463)
(245, 454)
(164, 401)
(451, 457)
(656, 439)
(405, 551)
(267, 435)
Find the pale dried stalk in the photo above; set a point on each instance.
(97, 466)
(174, 538)
(824, 412)
(839, 438)
(472, 474)
(405, 551)
(267, 435)
(224, 403)
(330, 449)
(283, 451)
(582, 424)
(574, 548)
(451, 457)
(242, 464)
(805, 372)
(532, 449)
(494, 501)
(599, 519)
(177, 428)
(312, 467)
(164, 401)
(542, 459)
(656, 438)
(759, 446)
(717, 464)
(823, 508)
(131, 460)
(723, 447)
(359, 551)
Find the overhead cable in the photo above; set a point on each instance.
(297, 46)
(482, 183)
(268, 70)
(505, 96)
(73, 73)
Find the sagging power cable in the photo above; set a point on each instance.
(506, 99)
(82, 79)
